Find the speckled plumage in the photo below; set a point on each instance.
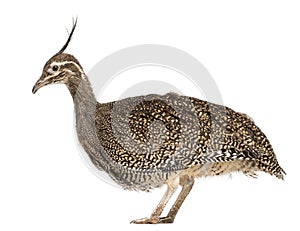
(144, 135)
(147, 141)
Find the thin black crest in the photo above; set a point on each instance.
(69, 39)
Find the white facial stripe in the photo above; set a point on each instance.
(50, 71)
(51, 76)
(67, 62)
(71, 72)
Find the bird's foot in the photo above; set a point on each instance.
(153, 220)
(165, 220)
(146, 220)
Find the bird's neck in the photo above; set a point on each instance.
(83, 95)
(86, 114)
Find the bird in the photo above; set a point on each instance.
(149, 141)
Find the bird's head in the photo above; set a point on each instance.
(60, 68)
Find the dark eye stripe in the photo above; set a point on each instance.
(59, 77)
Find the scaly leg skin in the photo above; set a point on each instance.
(187, 185)
(186, 188)
(154, 218)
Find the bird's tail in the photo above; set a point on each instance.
(274, 169)
(279, 172)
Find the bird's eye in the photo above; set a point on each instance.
(55, 68)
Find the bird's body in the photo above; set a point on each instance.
(135, 142)
(145, 142)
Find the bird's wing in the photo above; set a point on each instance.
(173, 131)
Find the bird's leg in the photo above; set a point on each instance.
(155, 216)
(187, 185)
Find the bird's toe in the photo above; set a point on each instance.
(146, 220)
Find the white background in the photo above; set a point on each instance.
(252, 50)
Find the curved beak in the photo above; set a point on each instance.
(40, 83)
